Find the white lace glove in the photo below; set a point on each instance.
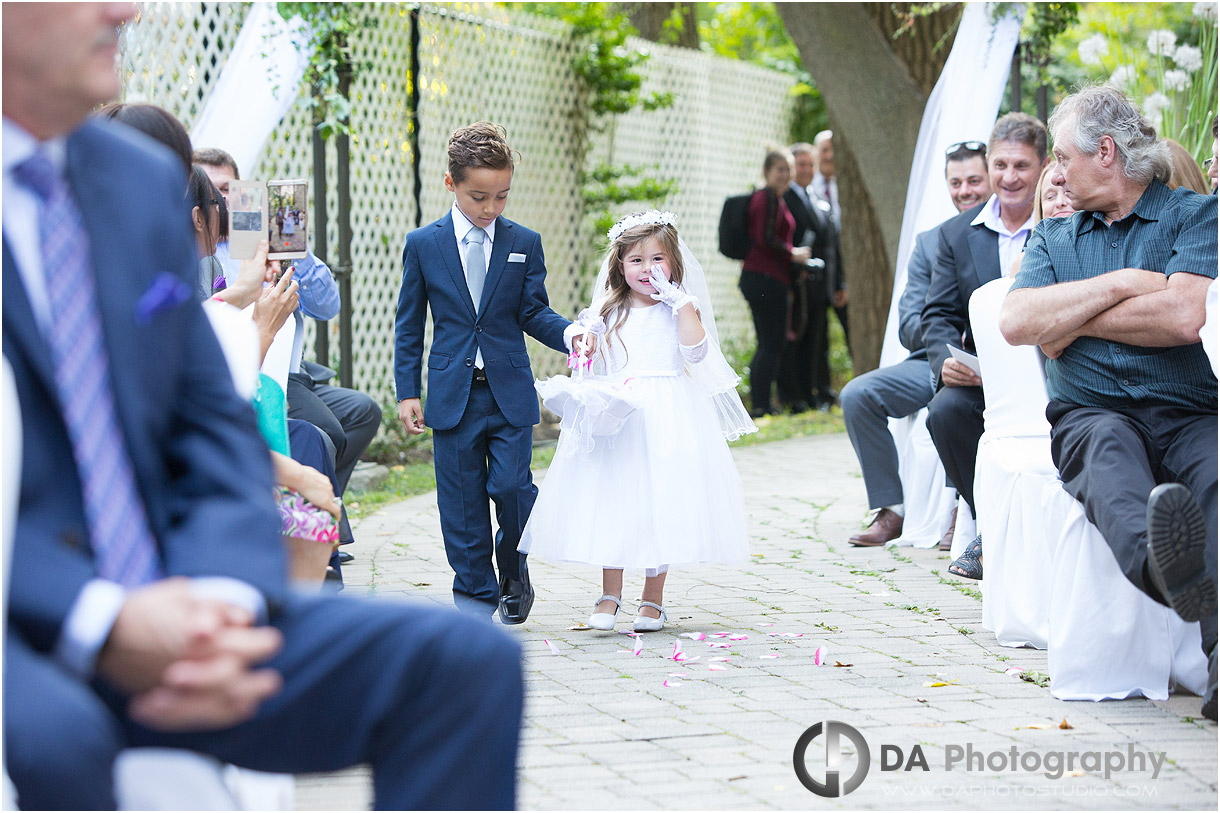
(667, 292)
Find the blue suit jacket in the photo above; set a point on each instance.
(966, 257)
(198, 460)
(910, 304)
(514, 303)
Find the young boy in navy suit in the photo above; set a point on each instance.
(483, 278)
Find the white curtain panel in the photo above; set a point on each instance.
(256, 88)
(962, 107)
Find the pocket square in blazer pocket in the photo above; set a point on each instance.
(167, 291)
(516, 258)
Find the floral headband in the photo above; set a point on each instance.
(652, 217)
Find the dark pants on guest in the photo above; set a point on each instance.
(1111, 459)
(768, 300)
(483, 456)
(800, 376)
(308, 446)
(955, 422)
(432, 697)
(349, 418)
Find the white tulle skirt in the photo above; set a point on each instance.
(662, 490)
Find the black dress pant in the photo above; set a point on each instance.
(1111, 459)
(955, 422)
(768, 300)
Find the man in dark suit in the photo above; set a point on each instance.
(149, 604)
(974, 248)
(825, 188)
(482, 278)
(813, 228)
(901, 389)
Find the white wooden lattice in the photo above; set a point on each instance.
(482, 61)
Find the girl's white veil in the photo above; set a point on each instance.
(715, 377)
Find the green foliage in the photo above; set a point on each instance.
(609, 186)
(754, 32)
(1115, 40)
(333, 29)
(609, 72)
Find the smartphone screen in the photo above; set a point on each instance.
(287, 218)
(247, 202)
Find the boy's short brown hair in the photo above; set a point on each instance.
(478, 145)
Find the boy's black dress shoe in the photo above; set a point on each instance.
(516, 598)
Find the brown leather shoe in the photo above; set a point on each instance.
(886, 525)
(946, 541)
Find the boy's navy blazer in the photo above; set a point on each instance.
(198, 460)
(514, 304)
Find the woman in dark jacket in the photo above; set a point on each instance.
(765, 276)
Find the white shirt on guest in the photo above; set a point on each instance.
(1010, 243)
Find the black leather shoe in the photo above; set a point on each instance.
(516, 598)
(345, 557)
(1177, 538)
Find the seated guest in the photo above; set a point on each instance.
(972, 249)
(904, 388)
(1115, 296)
(148, 603)
(1051, 201)
(349, 418)
(765, 275)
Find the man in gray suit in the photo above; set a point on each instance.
(901, 389)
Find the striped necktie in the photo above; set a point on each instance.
(123, 545)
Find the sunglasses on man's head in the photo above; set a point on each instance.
(969, 146)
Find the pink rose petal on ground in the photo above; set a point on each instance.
(672, 684)
(688, 658)
(714, 645)
(694, 636)
(720, 635)
(768, 624)
(677, 650)
(639, 645)
(1012, 670)
(819, 656)
(738, 637)
(716, 667)
(769, 656)
(786, 634)
(713, 660)
(678, 674)
(554, 649)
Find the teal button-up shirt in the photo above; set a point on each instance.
(1169, 232)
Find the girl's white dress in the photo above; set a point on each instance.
(663, 490)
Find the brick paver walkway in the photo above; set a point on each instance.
(604, 731)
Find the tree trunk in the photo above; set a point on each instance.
(649, 19)
(875, 88)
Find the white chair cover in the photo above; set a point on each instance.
(1107, 640)
(1013, 465)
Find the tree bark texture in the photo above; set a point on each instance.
(875, 89)
(649, 19)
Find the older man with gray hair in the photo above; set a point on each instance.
(1115, 296)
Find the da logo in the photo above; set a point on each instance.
(838, 754)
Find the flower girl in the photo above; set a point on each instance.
(642, 476)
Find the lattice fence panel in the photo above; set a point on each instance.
(173, 53)
(478, 61)
(481, 61)
(711, 141)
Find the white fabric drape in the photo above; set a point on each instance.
(256, 87)
(963, 106)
